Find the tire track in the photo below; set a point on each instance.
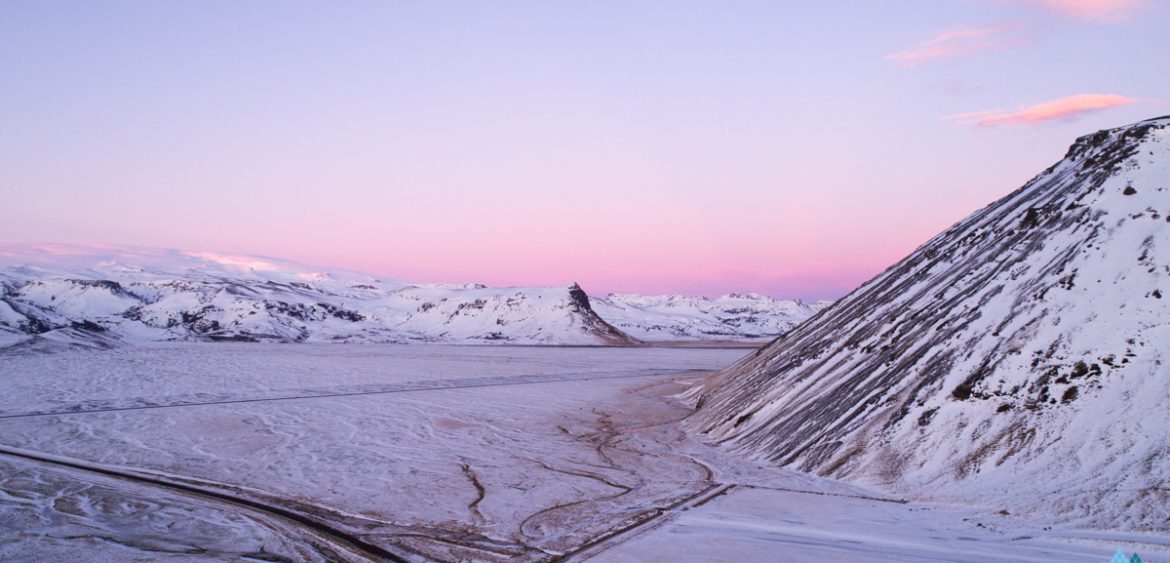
(654, 516)
(339, 539)
(409, 387)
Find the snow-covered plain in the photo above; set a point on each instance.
(430, 452)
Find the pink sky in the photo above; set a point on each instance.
(791, 149)
(1094, 9)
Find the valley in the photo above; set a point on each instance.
(426, 452)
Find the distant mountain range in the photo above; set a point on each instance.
(729, 317)
(101, 295)
(1017, 360)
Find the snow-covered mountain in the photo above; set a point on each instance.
(678, 317)
(1017, 360)
(103, 294)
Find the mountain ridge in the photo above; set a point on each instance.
(733, 316)
(992, 359)
(101, 295)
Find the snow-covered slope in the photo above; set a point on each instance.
(729, 317)
(102, 294)
(1016, 360)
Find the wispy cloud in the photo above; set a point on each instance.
(1100, 10)
(951, 43)
(1068, 108)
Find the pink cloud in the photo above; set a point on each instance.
(1092, 9)
(1052, 110)
(954, 42)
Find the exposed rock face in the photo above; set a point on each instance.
(1016, 359)
(579, 297)
(594, 323)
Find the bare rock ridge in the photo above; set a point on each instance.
(594, 323)
(1016, 359)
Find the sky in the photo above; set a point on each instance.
(793, 149)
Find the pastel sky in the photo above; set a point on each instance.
(789, 148)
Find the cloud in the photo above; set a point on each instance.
(954, 42)
(1099, 10)
(1068, 108)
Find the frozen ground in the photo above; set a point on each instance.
(327, 452)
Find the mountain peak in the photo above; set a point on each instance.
(992, 355)
(1113, 144)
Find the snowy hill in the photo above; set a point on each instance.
(1016, 360)
(729, 317)
(103, 294)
